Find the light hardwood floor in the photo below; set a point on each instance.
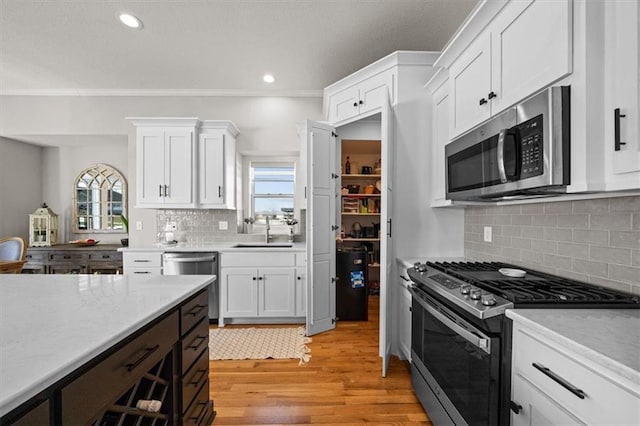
(341, 384)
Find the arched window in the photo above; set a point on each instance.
(100, 198)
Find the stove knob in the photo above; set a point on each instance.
(488, 300)
(465, 288)
(475, 294)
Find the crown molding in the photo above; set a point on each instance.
(165, 92)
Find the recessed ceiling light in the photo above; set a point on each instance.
(268, 78)
(131, 21)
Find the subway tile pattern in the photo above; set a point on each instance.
(596, 241)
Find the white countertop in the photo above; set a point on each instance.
(221, 247)
(52, 324)
(608, 337)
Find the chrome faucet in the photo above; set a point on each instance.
(267, 229)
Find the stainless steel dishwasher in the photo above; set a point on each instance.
(195, 263)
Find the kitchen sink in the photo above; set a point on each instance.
(262, 245)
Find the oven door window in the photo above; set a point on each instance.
(462, 370)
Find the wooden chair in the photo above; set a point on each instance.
(13, 253)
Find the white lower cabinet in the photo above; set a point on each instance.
(142, 262)
(260, 286)
(551, 384)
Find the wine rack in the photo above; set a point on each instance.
(156, 384)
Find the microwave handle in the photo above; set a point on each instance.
(501, 168)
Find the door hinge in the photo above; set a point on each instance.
(334, 176)
(333, 320)
(334, 227)
(334, 134)
(334, 279)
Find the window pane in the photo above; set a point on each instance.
(278, 207)
(278, 188)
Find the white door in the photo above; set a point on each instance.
(386, 247)
(150, 163)
(276, 292)
(321, 247)
(179, 165)
(239, 292)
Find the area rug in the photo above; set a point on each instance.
(259, 343)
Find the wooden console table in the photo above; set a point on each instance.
(71, 259)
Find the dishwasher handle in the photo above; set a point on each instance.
(190, 259)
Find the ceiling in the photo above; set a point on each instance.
(209, 47)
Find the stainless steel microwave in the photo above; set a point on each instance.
(522, 152)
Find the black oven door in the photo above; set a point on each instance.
(461, 361)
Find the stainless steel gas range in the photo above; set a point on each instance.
(461, 339)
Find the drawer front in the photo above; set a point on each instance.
(193, 311)
(38, 416)
(68, 257)
(194, 343)
(105, 256)
(38, 258)
(104, 382)
(142, 260)
(200, 412)
(194, 379)
(603, 400)
(257, 259)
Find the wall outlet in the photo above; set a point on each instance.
(139, 225)
(223, 225)
(487, 234)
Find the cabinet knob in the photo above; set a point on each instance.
(361, 102)
(483, 101)
(355, 104)
(260, 278)
(299, 278)
(492, 95)
(253, 278)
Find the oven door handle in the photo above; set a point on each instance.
(482, 343)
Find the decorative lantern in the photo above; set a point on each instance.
(43, 227)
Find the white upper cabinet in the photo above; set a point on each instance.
(360, 98)
(217, 165)
(621, 128)
(165, 162)
(524, 49)
(185, 163)
(439, 137)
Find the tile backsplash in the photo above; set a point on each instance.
(596, 241)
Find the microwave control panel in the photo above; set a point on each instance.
(531, 148)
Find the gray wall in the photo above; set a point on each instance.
(20, 186)
(596, 241)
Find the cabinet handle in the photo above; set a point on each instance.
(195, 310)
(147, 353)
(616, 128)
(141, 272)
(562, 382)
(195, 381)
(159, 190)
(483, 101)
(166, 190)
(404, 278)
(219, 191)
(195, 345)
(389, 228)
(492, 95)
(515, 407)
(141, 260)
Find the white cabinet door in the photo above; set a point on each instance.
(440, 131)
(621, 114)
(374, 91)
(276, 292)
(150, 166)
(469, 86)
(239, 292)
(321, 213)
(344, 105)
(301, 292)
(179, 167)
(531, 48)
(211, 156)
(536, 408)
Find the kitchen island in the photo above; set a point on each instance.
(68, 339)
